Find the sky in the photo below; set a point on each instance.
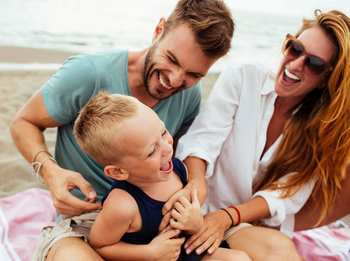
(298, 7)
(294, 7)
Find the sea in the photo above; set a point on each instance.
(91, 25)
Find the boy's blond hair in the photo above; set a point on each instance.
(98, 122)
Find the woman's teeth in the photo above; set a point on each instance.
(292, 76)
(163, 84)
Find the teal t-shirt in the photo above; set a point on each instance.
(82, 77)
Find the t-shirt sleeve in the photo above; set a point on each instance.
(193, 108)
(69, 89)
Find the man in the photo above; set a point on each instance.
(184, 47)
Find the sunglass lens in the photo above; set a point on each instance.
(292, 50)
(314, 66)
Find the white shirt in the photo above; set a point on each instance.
(230, 135)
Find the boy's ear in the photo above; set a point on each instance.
(159, 30)
(115, 172)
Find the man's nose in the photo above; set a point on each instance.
(177, 78)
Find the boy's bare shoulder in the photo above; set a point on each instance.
(121, 203)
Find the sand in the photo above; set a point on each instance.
(16, 87)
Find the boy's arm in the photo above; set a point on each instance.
(118, 217)
(187, 216)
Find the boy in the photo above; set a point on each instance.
(132, 144)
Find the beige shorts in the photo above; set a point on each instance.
(69, 227)
(80, 227)
(229, 232)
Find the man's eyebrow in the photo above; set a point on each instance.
(177, 62)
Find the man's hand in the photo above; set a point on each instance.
(210, 235)
(187, 216)
(61, 183)
(167, 246)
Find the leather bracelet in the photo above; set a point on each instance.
(232, 223)
(239, 215)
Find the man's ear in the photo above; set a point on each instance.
(159, 30)
(115, 172)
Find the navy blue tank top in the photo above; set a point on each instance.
(151, 212)
(150, 209)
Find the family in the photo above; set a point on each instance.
(140, 173)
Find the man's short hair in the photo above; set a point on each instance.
(98, 123)
(210, 21)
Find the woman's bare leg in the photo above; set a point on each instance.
(263, 244)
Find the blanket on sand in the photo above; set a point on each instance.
(23, 215)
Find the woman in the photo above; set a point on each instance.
(266, 141)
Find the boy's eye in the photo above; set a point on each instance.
(152, 153)
(165, 132)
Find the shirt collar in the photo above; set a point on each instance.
(269, 84)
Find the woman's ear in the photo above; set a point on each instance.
(159, 30)
(115, 172)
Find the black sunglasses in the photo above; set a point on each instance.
(313, 66)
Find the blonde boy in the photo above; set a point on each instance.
(130, 140)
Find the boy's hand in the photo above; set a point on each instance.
(187, 216)
(166, 246)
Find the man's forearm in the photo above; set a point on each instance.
(28, 138)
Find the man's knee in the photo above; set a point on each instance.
(72, 248)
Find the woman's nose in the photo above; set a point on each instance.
(298, 63)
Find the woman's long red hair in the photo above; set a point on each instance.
(316, 140)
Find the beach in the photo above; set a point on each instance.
(16, 87)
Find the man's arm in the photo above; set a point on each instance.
(27, 129)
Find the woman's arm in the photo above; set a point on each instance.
(308, 216)
(202, 144)
(217, 222)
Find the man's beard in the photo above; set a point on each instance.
(148, 67)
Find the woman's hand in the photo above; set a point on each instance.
(210, 235)
(187, 216)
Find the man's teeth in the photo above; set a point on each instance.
(292, 76)
(163, 84)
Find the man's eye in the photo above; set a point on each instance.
(171, 60)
